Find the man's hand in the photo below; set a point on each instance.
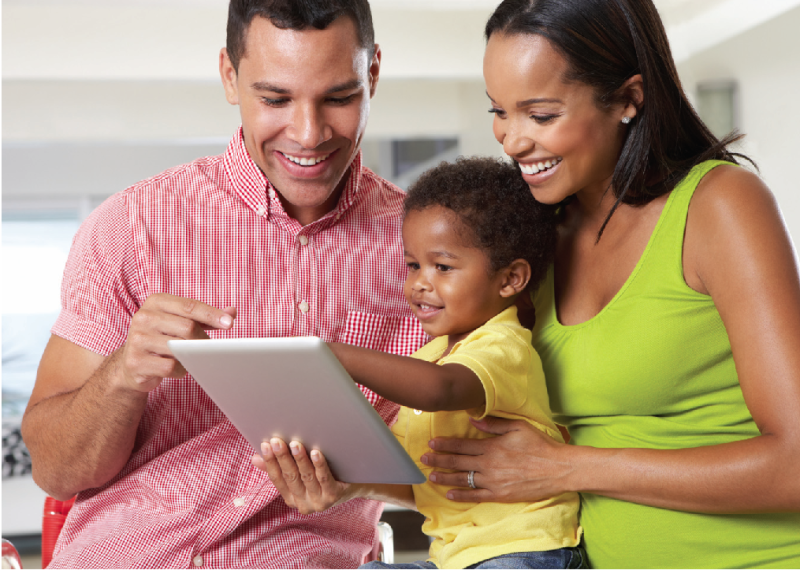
(81, 421)
(306, 484)
(146, 358)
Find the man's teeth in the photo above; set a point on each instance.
(302, 161)
(539, 167)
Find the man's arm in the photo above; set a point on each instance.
(81, 421)
(412, 382)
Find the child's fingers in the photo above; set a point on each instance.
(269, 463)
(306, 469)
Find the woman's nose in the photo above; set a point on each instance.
(516, 140)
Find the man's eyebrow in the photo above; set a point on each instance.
(264, 86)
(346, 86)
(272, 88)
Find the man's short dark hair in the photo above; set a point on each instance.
(296, 15)
(498, 211)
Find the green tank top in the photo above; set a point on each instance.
(654, 369)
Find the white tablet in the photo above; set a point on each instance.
(296, 389)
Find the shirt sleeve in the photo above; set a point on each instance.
(511, 374)
(99, 289)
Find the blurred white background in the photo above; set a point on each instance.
(98, 94)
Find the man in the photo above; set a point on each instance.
(284, 234)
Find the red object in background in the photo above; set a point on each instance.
(55, 513)
(10, 556)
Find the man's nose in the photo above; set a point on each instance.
(309, 127)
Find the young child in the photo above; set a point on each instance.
(474, 239)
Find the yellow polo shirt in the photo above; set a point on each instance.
(501, 355)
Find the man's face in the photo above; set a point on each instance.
(304, 99)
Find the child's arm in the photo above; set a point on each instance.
(412, 382)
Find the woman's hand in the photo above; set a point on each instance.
(304, 483)
(521, 464)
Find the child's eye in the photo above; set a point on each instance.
(443, 268)
(412, 265)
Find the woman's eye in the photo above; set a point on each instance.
(499, 112)
(543, 119)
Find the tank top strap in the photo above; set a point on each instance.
(664, 254)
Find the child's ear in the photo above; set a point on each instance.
(516, 277)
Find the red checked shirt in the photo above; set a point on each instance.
(215, 230)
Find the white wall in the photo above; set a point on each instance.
(764, 63)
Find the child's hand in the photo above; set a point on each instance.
(304, 483)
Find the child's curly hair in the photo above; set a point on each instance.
(496, 207)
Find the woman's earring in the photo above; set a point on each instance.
(626, 120)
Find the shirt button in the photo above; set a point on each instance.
(303, 240)
(303, 307)
(197, 560)
(238, 502)
(418, 412)
(261, 210)
(271, 193)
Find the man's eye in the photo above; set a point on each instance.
(274, 102)
(342, 100)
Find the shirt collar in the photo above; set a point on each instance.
(255, 190)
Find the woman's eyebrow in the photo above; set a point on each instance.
(537, 100)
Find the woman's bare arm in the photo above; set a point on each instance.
(738, 251)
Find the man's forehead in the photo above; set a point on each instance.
(264, 37)
(278, 58)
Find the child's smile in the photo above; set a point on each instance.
(450, 285)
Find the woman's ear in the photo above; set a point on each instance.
(632, 92)
(515, 278)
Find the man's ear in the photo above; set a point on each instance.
(374, 70)
(516, 277)
(228, 75)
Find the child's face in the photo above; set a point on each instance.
(450, 286)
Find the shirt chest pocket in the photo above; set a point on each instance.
(397, 335)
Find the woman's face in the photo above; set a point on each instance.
(563, 142)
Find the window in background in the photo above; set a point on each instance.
(717, 105)
(409, 153)
(35, 248)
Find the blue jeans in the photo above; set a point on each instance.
(561, 558)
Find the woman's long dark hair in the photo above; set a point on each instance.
(605, 42)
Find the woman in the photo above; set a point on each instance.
(669, 327)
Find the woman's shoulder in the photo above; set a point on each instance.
(731, 211)
(728, 190)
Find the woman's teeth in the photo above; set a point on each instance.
(302, 161)
(534, 168)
